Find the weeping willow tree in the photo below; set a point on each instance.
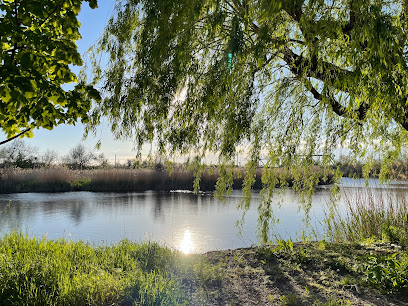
(286, 79)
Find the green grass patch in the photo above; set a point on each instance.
(45, 272)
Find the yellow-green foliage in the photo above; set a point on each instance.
(45, 272)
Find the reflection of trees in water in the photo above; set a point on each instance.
(124, 201)
(73, 208)
(194, 204)
(17, 215)
(49, 207)
(14, 215)
(5, 215)
(76, 211)
(157, 207)
(107, 203)
(170, 203)
(44, 210)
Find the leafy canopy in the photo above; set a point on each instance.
(285, 78)
(37, 40)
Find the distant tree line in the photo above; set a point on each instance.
(21, 155)
(18, 154)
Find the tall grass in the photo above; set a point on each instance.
(45, 272)
(371, 213)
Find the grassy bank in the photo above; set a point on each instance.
(44, 272)
(112, 180)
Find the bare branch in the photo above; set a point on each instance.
(14, 137)
(319, 69)
(337, 108)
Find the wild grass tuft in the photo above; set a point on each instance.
(372, 213)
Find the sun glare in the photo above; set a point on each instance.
(186, 245)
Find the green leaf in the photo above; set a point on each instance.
(34, 63)
(29, 94)
(6, 96)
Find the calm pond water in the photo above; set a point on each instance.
(191, 223)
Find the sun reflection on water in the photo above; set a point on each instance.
(186, 245)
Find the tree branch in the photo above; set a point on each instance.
(14, 137)
(294, 9)
(337, 108)
(404, 124)
(319, 69)
(351, 23)
(52, 13)
(15, 46)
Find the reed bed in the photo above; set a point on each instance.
(372, 213)
(108, 180)
(62, 179)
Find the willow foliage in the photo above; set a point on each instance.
(286, 79)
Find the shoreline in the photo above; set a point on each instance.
(300, 273)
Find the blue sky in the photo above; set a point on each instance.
(64, 137)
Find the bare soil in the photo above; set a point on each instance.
(305, 274)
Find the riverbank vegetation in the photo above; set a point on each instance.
(24, 169)
(62, 179)
(377, 214)
(44, 272)
(355, 169)
(38, 271)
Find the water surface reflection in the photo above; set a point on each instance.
(188, 222)
(191, 223)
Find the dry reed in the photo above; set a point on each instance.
(62, 179)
